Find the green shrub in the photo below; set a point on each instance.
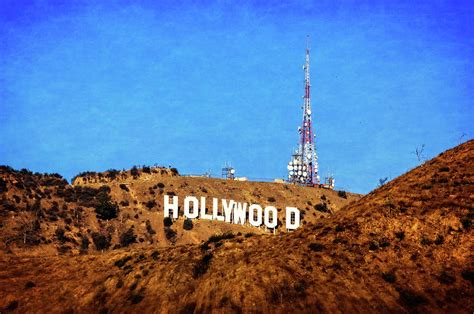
(136, 298)
(112, 173)
(30, 284)
(342, 194)
(124, 187)
(188, 224)
(202, 265)
(121, 262)
(339, 228)
(316, 247)
(149, 228)
(84, 243)
(218, 237)
(170, 234)
(128, 237)
(389, 277)
(466, 223)
(373, 246)
(134, 172)
(400, 235)
(106, 210)
(205, 246)
(322, 207)
(60, 235)
(439, 240)
(168, 222)
(101, 241)
(155, 255)
(150, 204)
(426, 241)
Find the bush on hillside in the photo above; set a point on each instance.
(342, 194)
(134, 172)
(128, 237)
(112, 173)
(84, 243)
(167, 221)
(322, 207)
(124, 187)
(202, 265)
(150, 204)
(101, 241)
(106, 210)
(60, 235)
(170, 234)
(218, 237)
(188, 224)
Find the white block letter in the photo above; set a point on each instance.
(228, 207)
(187, 201)
(215, 210)
(239, 213)
(204, 215)
(173, 206)
(271, 211)
(255, 215)
(292, 218)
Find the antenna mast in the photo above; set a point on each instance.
(303, 167)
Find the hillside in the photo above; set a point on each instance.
(405, 247)
(43, 213)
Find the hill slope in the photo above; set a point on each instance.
(42, 213)
(405, 247)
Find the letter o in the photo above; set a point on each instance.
(258, 220)
(271, 211)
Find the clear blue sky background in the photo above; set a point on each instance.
(90, 86)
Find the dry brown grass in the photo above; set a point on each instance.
(402, 248)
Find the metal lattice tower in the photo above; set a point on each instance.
(303, 166)
(228, 172)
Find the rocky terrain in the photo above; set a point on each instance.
(405, 247)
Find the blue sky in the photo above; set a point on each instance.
(95, 85)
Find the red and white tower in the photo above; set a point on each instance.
(303, 166)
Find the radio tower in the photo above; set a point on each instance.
(303, 166)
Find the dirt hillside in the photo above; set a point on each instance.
(43, 214)
(405, 247)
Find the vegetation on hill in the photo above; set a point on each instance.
(98, 207)
(405, 247)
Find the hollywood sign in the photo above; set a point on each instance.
(230, 211)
